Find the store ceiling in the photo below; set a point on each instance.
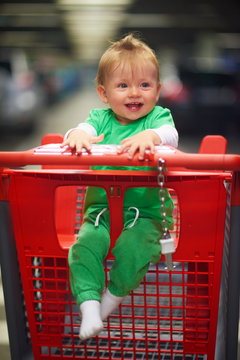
(80, 28)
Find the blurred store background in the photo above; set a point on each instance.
(49, 52)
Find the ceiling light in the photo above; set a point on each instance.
(91, 23)
(93, 2)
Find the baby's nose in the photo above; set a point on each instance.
(133, 91)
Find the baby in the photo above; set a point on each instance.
(128, 81)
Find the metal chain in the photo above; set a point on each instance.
(162, 197)
(167, 243)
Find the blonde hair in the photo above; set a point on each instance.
(127, 50)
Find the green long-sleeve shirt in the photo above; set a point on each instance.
(145, 199)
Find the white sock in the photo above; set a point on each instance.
(91, 324)
(109, 303)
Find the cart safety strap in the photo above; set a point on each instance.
(136, 216)
(98, 217)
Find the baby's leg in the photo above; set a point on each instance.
(86, 257)
(87, 276)
(91, 324)
(134, 250)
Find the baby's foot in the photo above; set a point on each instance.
(91, 324)
(109, 303)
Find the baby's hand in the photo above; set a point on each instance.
(142, 141)
(79, 139)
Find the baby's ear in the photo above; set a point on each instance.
(158, 90)
(102, 93)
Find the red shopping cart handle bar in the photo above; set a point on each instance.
(54, 154)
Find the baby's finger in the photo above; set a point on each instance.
(132, 150)
(78, 149)
(123, 147)
(83, 145)
(72, 144)
(151, 147)
(126, 143)
(141, 153)
(143, 149)
(64, 143)
(125, 140)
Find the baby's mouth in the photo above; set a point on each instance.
(134, 106)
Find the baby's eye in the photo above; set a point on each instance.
(122, 85)
(145, 84)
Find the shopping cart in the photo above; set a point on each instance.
(173, 315)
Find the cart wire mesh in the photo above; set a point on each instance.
(156, 321)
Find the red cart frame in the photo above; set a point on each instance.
(172, 315)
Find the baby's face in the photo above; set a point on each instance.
(131, 92)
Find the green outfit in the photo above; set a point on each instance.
(138, 245)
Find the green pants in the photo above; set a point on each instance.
(135, 248)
